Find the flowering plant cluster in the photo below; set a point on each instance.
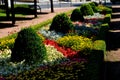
(72, 70)
(67, 52)
(95, 20)
(86, 31)
(6, 43)
(52, 35)
(77, 43)
(9, 68)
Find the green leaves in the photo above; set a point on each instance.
(77, 43)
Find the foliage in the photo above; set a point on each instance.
(77, 15)
(94, 7)
(61, 23)
(104, 9)
(40, 25)
(99, 45)
(77, 43)
(107, 18)
(52, 35)
(94, 66)
(96, 4)
(29, 47)
(86, 9)
(67, 52)
(6, 43)
(86, 31)
(53, 56)
(103, 31)
(70, 70)
(9, 68)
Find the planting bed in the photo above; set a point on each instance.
(72, 48)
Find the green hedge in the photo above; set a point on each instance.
(86, 9)
(104, 9)
(103, 30)
(107, 18)
(94, 67)
(99, 45)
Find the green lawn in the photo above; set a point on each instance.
(20, 10)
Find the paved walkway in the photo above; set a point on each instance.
(6, 28)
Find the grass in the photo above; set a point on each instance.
(20, 10)
(35, 27)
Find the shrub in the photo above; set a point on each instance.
(77, 15)
(107, 18)
(104, 9)
(61, 23)
(86, 9)
(94, 67)
(77, 43)
(28, 46)
(96, 4)
(92, 4)
(103, 31)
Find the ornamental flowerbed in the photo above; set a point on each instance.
(71, 50)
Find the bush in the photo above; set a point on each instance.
(86, 9)
(61, 23)
(94, 67)
(107, 18)
(92, 4)
(77, 43)
(104, 9)
(28, 46)
(96, 4)
(103, 31)
(77, 15)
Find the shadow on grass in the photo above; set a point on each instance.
(22, 18)
(6, 25)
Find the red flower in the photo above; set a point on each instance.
(67, 52)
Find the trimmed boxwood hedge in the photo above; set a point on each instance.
(28, 46)
(86, 9)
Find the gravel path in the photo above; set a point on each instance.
(6, 28)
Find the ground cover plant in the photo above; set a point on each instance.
(69, 54)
